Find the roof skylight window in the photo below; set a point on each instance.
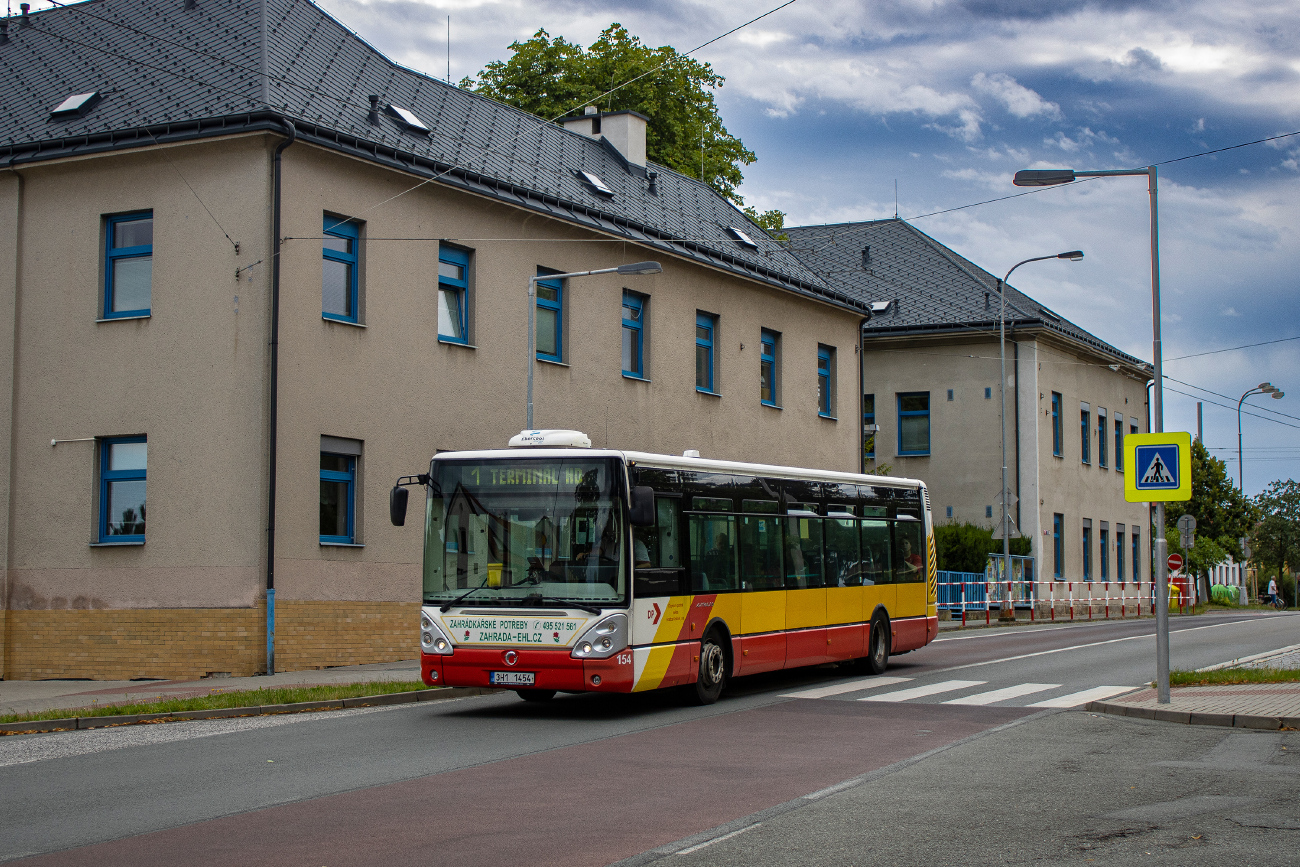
(77, 105)
(408, 119)
(745, 240)
(597, 184)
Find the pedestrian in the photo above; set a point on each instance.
(1272, 591)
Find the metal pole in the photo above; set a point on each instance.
(1007, 613)
(1161, 564)
(532, 346)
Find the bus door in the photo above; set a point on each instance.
(878, 587)
(805, 587)
(761, 647)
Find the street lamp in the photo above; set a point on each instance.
(1262, 388)
(1074, 255)
(1050, 178)
(635, 269)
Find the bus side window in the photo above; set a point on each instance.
(843, 563)
(760, 552)
(911, 552)
(876, 553)
(656, 551)
(803, 549)
(713, 556)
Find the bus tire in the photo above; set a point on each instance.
(535, 694)
(878, 645)
(713, 669)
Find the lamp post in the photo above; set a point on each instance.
(1050, 178)
(1007, 613)
(634, 269)
(1262, 388)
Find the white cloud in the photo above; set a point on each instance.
(1018, 99)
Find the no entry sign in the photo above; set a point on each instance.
(1175, 562)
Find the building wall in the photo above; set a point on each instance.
(964, 467)
(193, 377)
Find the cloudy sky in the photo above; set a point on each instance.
(948, 98)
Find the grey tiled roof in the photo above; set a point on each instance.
(937, 290)
(170, 73)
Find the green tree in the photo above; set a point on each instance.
(1223, 516)
(1276, 539)
(966, 547)
(554, 78)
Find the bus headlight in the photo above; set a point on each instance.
(432, 637)
(603, 639)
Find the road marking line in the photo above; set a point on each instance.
(851, 686)
(1281, 651)
(1074, 699)
(698, 846)
(922, 691)
(1016, 691)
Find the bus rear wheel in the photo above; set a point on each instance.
(535, 694)
(713, 670)
(878, 645)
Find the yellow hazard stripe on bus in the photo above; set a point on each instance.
(651, 673)
(932, 572)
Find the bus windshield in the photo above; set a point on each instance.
(538, 532)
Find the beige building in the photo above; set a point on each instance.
(931, 370)
(257, 271)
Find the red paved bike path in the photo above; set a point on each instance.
(590, 804)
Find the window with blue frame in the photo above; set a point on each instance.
(914, 423)
(1119, 552)
(767, 370)
(338, 480)
(1058, 549)
(706, 329)
(123, 465)
(1101, 437)
(869, 418)
(453, 294)
(1103, 543)
(550, 319)
(1087, 549)
(340, 271)
(1085, 431)
(1119, 443)
(634, 310)
(128, 265)
(1056, 424)
(1137, 555)
(826, 381)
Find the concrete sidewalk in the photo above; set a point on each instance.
(23, 696)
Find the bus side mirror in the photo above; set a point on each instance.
(397, 498)
(643, 507)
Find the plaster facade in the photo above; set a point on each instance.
(194, 378)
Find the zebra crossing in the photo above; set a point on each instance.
(1007, 696)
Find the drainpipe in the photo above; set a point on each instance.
(862, 357)
(291, 133)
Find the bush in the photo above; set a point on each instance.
(966, 547)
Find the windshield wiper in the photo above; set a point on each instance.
(445, 608)
(538, 600)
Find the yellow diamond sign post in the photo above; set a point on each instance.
(1158, 467)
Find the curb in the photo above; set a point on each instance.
(83, 723)
(1227, 720)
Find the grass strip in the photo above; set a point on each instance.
(1234, 675)
(222, 700)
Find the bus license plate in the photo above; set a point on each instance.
(512, 678)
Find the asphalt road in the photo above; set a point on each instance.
(595, 779)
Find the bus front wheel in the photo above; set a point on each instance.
(713, 670)
(878, 645)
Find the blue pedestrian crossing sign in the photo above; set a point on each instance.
(1158, 467)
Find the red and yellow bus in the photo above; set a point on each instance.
(551, 566)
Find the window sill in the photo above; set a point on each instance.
(827, 417)
(634, 377)
(912, 455)
(550, 361)
(770, 405)
(706, 392)
(127, 318)
(122, 544)
(342, 321)
(325, 544)
(461, 343)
